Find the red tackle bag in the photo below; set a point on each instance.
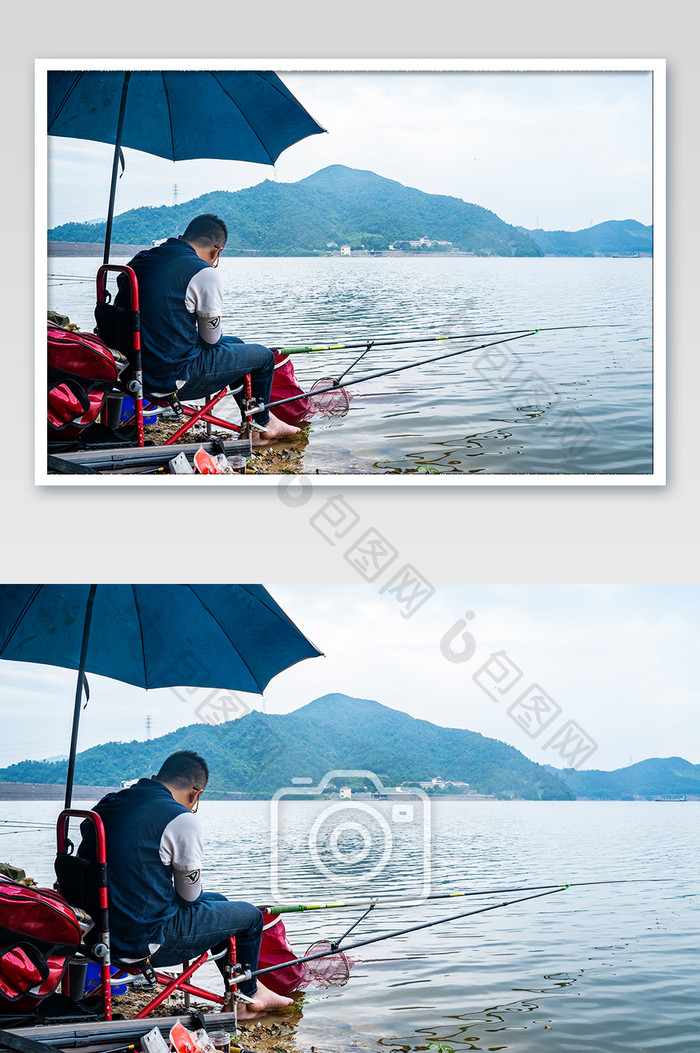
(82, 371)
(285, 386)
(274, 950)
(39, 934)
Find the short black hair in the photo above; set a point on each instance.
(185, 770)
(207, 230)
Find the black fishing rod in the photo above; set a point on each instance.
(27, 822)
(305, 349)
(18, 830)
(396, 369)
(247, 974)
(70, 278)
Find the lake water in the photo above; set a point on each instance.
(610, 968)
(573, 402)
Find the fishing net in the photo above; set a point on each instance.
(333, 970)
(328, 403)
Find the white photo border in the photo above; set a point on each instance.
(657, 67)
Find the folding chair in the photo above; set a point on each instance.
(84, 884)
(120, 327)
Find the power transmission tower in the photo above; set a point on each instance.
(148, 727)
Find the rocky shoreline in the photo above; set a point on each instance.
(273, 1033)
(278, 459)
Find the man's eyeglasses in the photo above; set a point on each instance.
(195, 806)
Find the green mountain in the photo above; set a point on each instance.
(337, 204)
(259, 753)
(615, 236)
(649, 778)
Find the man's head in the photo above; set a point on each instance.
(207, 234)
(185, 774)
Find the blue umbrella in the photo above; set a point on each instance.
(237, 115)
(225, 636)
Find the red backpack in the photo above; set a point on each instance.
(82, 371)
(39, 934)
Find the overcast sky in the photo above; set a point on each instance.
(558, 150)
(618, 661)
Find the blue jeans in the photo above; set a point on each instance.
(199, 927)
(226, 363)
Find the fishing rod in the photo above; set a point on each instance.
(54, 280)
(27, 822)
(247, 974)
(280, 908)
(9, 833)
(19, 830)
(71, 277)
(386, 372)
(305, 349)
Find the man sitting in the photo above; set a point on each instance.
(157, 907)
(183, 349)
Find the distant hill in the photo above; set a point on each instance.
(649, 778)
(615, 236)
(337, 204)
(261, 753)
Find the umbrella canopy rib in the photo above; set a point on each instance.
(238, 107)
(143, 649)
(20, 616)
(232, 642)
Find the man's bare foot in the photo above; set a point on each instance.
(275, 431)
(264, 1001)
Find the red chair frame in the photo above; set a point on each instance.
(136, 383)
(171, 983)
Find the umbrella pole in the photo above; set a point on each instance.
(79, 695)
(115, 166)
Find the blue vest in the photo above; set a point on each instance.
(169, 338)
(142, 896)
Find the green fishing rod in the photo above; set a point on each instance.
(305, 349)
(247, 974)
(386, 372)
(293, 908)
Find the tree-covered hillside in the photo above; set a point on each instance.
(338, 204)
(614, 236)
(649, 778)
(260, 753)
